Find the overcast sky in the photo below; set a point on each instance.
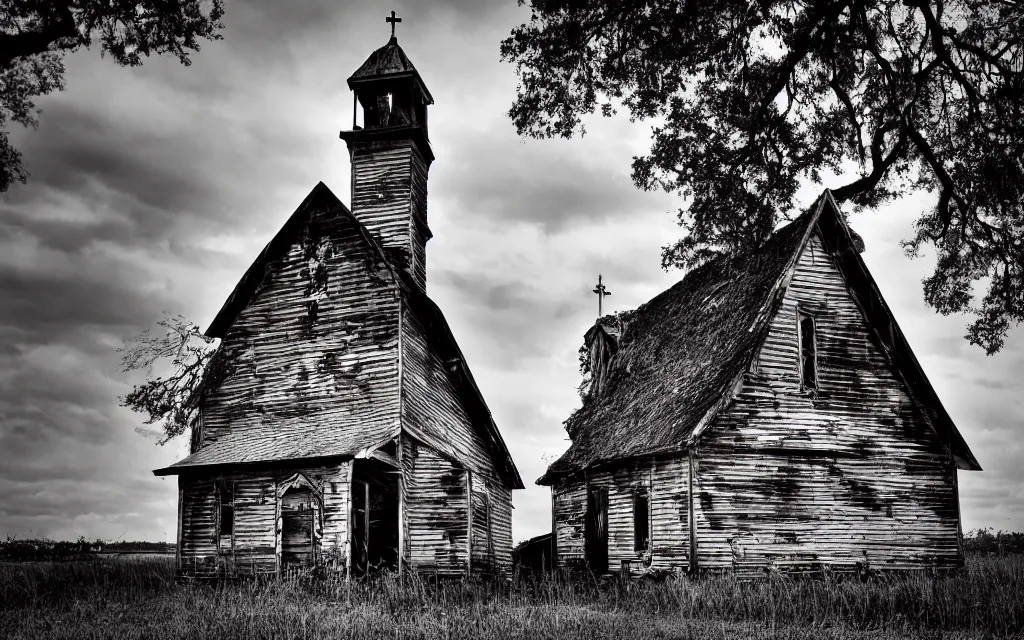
(153, 189)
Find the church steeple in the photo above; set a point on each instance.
(390, 155)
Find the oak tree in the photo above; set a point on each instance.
(36, 34)
(749, 98)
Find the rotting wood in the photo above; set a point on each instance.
(849, 475)
(666, 482)
(469, 521)
(857, 469)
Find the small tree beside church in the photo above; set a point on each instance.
(175, 360)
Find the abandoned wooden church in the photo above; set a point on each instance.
(339, 424)
(766, 412)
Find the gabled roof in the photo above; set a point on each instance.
(683, 354)
(388, 62)
(319, 199)
(296, 439)
(443, 342)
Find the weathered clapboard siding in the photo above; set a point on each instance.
(434, 411)
(852, 475)
(568, 513)
(670, 513)
(482, 548)
(501, 527)
(436, 511)
(665, 481)
(198, 518)
(253, 546)
(433, 407)
(316, 347)
(255, 513)
(389, 196)
(337, 490)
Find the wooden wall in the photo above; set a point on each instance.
(666, 483)
(433, 412)
(788, 479)
(389, 193)
(252, 548)
(318, 343)
(436, 501)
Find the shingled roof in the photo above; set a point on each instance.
(683, 353)
(283, 440)
(389, 61)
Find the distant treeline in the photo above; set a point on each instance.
(980, 541)
(30, 549)
(988, 541)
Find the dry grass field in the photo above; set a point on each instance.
(138, 598)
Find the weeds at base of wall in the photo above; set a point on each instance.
(140, 598)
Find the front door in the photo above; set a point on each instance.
(596, 530)
(297, 528)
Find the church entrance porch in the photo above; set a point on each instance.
(375, 506)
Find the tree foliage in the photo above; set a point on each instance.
(35, 35)
(749, 99)
(182, 355)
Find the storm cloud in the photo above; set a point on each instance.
(152, 189)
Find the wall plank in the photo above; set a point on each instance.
(436, 509)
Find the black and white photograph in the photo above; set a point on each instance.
(512, 319)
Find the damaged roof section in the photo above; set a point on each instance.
(676, 357)
(280, 441)
(681, 355)
(389, 61)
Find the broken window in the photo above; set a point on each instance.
(596, 529)
(226, 522)
(808, 353)
(641, 521)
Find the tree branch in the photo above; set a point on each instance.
(803, 40)
(29, 43)
(879, 164)
(948, 186)
(850, 112)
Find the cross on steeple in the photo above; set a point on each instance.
(602, 293)
(393, 20)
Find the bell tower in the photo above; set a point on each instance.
(390, 155)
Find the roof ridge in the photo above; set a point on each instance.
(248, 285)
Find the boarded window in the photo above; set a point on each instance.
(641, 521)
(808, 353)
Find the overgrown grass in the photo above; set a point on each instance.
(139, 599)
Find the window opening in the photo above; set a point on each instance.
(641, 521)
(226, 523)
(808, 354)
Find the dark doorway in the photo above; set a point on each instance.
(596, 530)
(374, 517)
(297, 528)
